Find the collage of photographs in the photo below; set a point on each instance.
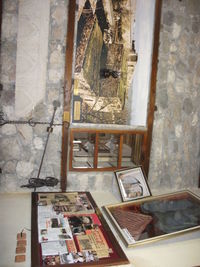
(69, 230)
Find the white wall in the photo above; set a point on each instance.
(32, 51)
(143, 36)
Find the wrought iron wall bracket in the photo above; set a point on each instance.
(29, 122)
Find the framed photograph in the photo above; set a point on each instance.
(154, 218)
(132, 183)
(68, 229)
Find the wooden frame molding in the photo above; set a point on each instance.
(67, 91)
(152, 96)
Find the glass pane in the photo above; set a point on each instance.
(127, 151)
(108, 150)
(131, 151)
(83, 150)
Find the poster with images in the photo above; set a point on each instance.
(105, 60)
(72, 236)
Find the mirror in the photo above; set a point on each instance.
(104, 150)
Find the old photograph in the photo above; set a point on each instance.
(132, 183)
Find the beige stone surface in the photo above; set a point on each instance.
(32, 50)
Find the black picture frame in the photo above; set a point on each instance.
(132, 183)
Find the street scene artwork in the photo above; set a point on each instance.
(105, 59)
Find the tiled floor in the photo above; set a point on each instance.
(15, 212)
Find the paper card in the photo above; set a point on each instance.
(21, 236)
(21, 243)
(20, 250)
(54, 248)
(20, 258)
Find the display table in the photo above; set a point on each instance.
(15, 210)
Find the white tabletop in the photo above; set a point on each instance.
(15, 210)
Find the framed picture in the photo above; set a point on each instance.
(110, 53)
(69, 230)
(155, 218)
(132, 183)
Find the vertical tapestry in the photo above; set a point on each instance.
(104, 61)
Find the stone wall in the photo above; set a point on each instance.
(175, 152)
(175, 146)
(22, 146)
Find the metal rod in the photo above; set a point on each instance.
(49, 131)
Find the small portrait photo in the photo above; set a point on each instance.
(79, 224)
(55, 223)
(132, 183)
(51, 260)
